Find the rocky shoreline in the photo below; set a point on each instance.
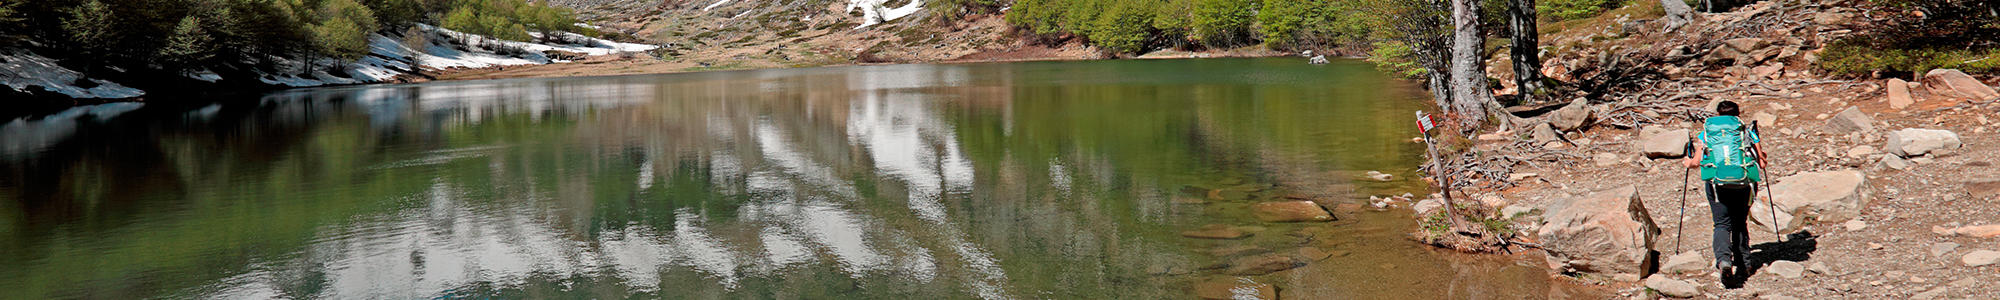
(1883, 188)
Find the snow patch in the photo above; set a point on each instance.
(719, 3)
(872, 11)
(27, 72)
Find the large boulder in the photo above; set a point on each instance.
(1899, 94)
(1917, 142)
(1849, 121)
(1657, 142)
(1572, 116)
(1831, 196)
(1953, 83)
(1604, 232)
(1290, 211)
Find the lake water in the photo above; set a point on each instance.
(1034, 180)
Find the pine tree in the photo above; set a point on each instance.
(188, 43)
(90, 29)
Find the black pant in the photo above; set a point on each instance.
(1731, 207)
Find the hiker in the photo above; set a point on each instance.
(1727, 152)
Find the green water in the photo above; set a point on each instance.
(1039, 180)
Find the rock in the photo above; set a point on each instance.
(1216, 231)
(1491, 137)
(1672, 287)
(1777, 297)
(1786, 268)
(1916, 142)
(1492, 200)
(1262, 264)
(1424, 207)
(1940, 249)
(1767, 71)
(1290, 211)
(1860, 151)
(1764, 119)
(1935, 293)
(1895, 162)
(1606, 159)
(1603, 232)
(1241, 250)
(1746, 45)
(1520, 176)
(1980, 258)
(1953, 83)
(1818, 268)
(1573, 116)
(1228, 195)
(1658, 142)
(1832, 196)
(1313, 254)
(1981, 231)
(1899, 94)
(1832, 18)
(1543, 133)
(1690, 262)
(1232, 288)
(1514, 210)
(1379, 176)
(1848, 121)
(1855, 225)
(1983, 189)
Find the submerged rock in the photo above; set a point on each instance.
(1290, 211)
(1263, 264)
(1216, 231)
(1233, 288)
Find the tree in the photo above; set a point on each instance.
(90, 29)
(1223, 23)
(1525, 48)
(1125, 28)
(343, 29)
(1471, 101)
(188, 43)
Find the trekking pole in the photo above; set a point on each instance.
(1681, 218)
(1768, 198)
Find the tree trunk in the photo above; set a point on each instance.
(1469, 94)
(1526, 48)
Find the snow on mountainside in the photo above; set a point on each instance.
(388, 57)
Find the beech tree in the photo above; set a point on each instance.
(1525, 49)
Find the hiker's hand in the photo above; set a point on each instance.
(1689, 162)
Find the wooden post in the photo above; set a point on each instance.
(1424, 125)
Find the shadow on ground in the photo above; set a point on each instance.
(1797, 247)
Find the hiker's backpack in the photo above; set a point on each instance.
(1728, 161)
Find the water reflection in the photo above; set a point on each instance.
(993, 181)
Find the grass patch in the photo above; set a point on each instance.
(1637, 10)
(1855, 56)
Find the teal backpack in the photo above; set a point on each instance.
(1728, 161)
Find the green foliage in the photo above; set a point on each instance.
(1559, 10)
(343, 29)
(1854, 56)
(1396, 58)
(1125, 28)
(507, 19)
(90, 26)
(1223, 23)
(189, 42)
(1962, 35)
